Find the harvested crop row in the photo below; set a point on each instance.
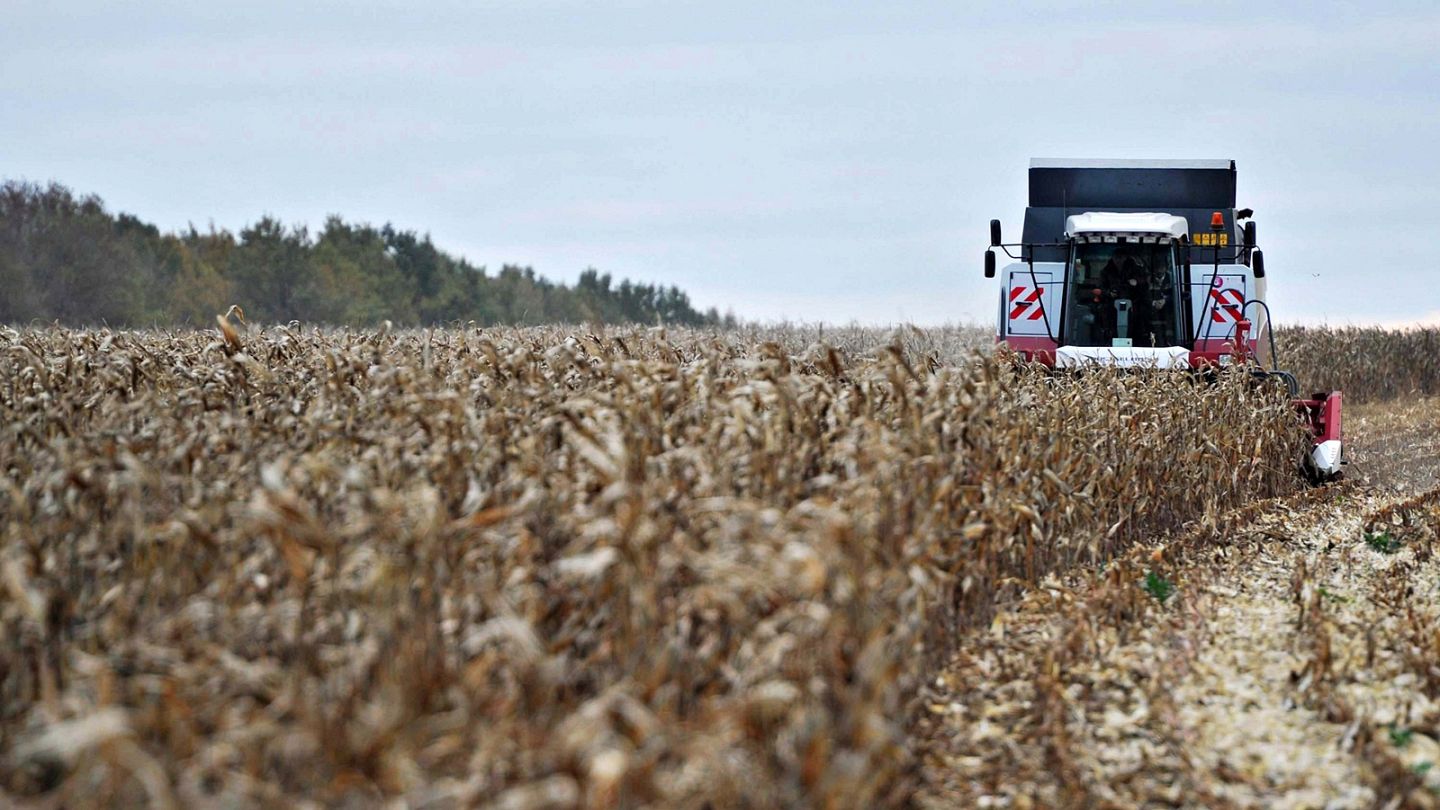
(543, 568)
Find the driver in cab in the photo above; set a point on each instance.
(1126, 276)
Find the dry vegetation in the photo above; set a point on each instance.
(1293, 666)
(1280, 657)
(546, 568)
(1368, 363)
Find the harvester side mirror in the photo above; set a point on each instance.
(995, 240)
(989, 264)
(1250, 234)
(1257, 263)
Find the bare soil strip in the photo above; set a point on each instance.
(1395, 445)
(1295, 663)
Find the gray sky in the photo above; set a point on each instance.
(805, 160)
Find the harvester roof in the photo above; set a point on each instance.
(1127, 223)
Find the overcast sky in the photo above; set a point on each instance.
(800, 159)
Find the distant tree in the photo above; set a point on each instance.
(271, 268)
(202, 287)
(421, 265)
(21, 299)
(356, 279)
(80, 267)
(199, 291)
(67, 258)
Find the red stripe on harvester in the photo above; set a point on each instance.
(1032, 299)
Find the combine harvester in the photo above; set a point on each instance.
(1144, 264)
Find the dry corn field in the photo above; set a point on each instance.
(792, 567)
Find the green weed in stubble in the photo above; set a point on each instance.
(1383, 542)
(1400, 737)
(1160, 588)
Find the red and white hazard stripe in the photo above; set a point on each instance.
(1023, 303)
(1229, 305)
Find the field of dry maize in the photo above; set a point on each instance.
(553, 567)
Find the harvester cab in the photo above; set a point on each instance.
(1145, 264)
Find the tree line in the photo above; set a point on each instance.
(66, 258)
